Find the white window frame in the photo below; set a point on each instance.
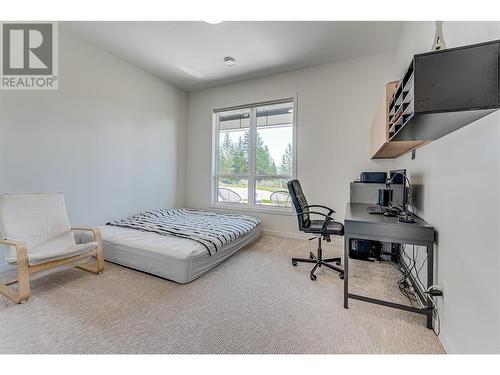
(251, 176)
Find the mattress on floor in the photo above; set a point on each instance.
(178, 259)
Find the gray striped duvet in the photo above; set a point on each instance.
(210, 229)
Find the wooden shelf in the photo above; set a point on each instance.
(390, 118)
(445, 90)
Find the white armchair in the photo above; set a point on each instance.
(36, 232)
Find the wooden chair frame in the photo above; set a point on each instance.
(24, 269)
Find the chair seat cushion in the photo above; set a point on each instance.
(334, 227)
(46, 256)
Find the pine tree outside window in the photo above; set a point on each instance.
(254, 155)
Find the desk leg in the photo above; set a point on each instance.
(430, 281)
(346, 271)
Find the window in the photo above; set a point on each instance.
(254, 155)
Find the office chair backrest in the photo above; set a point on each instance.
(299, 202)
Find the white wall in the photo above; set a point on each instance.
(112, 138)
(335, 108)
(458, 178)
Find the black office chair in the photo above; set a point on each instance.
(322, 229)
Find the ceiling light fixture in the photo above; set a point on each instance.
(213, 22)
(230, 61)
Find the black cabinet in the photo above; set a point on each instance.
(443, 91)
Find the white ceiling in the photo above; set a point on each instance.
(190, 54)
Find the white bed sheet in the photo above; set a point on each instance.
(173, 258)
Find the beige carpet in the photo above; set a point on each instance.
(255, 302)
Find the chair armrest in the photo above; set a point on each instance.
(327, 217)
(330, 210)
(96, 232)
(314, 213)
(21, 249)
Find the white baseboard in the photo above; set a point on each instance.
(447, 346)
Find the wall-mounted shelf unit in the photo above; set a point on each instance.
(387, 122)
(445, 90)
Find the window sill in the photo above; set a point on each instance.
(263, 210)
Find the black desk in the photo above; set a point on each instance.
(360, 224)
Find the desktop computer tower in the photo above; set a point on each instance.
(364, 249)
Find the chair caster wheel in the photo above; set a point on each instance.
(337, 263)
(341, 276)
(313, 277)
(294, 263)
